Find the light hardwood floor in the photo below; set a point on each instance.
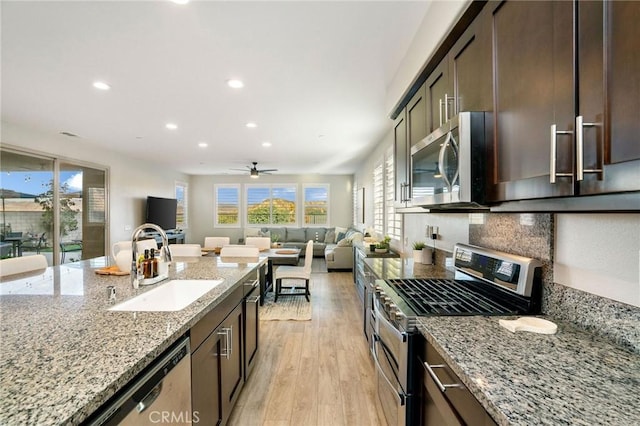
(314, 372)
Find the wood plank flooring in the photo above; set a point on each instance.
(314, 372)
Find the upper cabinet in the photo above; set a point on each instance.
(608, 142)
(401, 159)
(462, 80)
(566, 98)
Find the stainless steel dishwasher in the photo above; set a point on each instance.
(161, 394)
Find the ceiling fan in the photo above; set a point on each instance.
(254, 172)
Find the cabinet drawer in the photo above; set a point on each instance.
(210, 321)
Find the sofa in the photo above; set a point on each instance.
(339, 255)
(327, 242)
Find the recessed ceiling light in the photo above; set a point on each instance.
(101, 85)
(266, 144)
(203, 144)
(171, 126)
(251, 125)
(236, 84)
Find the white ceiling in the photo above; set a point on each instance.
(315, 73)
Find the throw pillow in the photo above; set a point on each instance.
(339, 237)
(330, 236)
(315, 234)
(252, 232)
(295, 235)
(338, 231)
(345, 242)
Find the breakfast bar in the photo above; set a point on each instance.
(64, 354)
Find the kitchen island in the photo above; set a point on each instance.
(63, 353)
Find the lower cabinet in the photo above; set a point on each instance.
(224, 350)
(251, 327)
(218, 371)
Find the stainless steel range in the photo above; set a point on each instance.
(487, 282)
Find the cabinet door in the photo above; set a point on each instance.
(533, 89)
(251, 328)
(609, 95)
(438, 95)
(231, 364)
(417, 117)
(470, 67)
(205, 381)
(401, 155)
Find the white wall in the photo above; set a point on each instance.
(600, 254)
(201, 194)
(131, 180)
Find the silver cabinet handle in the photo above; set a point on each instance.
(254, 300)
(440, 112)
(553, 159)
(443, 388)
(446, 107)
(580, 125)
(228, 335)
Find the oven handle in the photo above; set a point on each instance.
(443, 387)
(401, 396)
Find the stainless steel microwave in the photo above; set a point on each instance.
(448, 167)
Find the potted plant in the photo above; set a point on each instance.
(274, 240)
(383, 246)
(417, 251)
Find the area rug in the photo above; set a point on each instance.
(287, 308)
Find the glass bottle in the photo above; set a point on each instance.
(146, 265)
(154, 263)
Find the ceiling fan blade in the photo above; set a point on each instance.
(267, 170)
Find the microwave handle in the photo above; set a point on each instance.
(441, 161)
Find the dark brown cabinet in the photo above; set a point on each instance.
(566, 99)
(251, 330)
(533, 77)
(401, 157)
(608, 157)
(417, 117)
(232, 363)
(462, 80)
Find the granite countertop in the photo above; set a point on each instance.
(572, 377)
(395, 268)
(63, 354)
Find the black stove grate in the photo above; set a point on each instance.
(449, 297)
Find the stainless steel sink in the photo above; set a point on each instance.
(173, 295)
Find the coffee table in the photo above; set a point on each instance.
(278, 256)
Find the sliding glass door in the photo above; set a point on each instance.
(53, 207)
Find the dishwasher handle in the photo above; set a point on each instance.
(149, 398)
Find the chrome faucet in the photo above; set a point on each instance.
(134, 248)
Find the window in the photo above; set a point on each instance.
(227, 208)
(182, 193)
(394, 220)
(96, 204)
(378, 198)
(316, 204)
(271, 204)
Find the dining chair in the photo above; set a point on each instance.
(185, 250)
(36, 243)
(18, 265)
(263, 243)
(215, 242)
(295, 273)
(239, 251)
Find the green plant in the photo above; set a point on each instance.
(384, 244)
(419, 245)
(275, 238)
(67, 214)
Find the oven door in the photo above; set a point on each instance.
(390, 357)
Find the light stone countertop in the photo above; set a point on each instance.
(569, 378)
(63, 354)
